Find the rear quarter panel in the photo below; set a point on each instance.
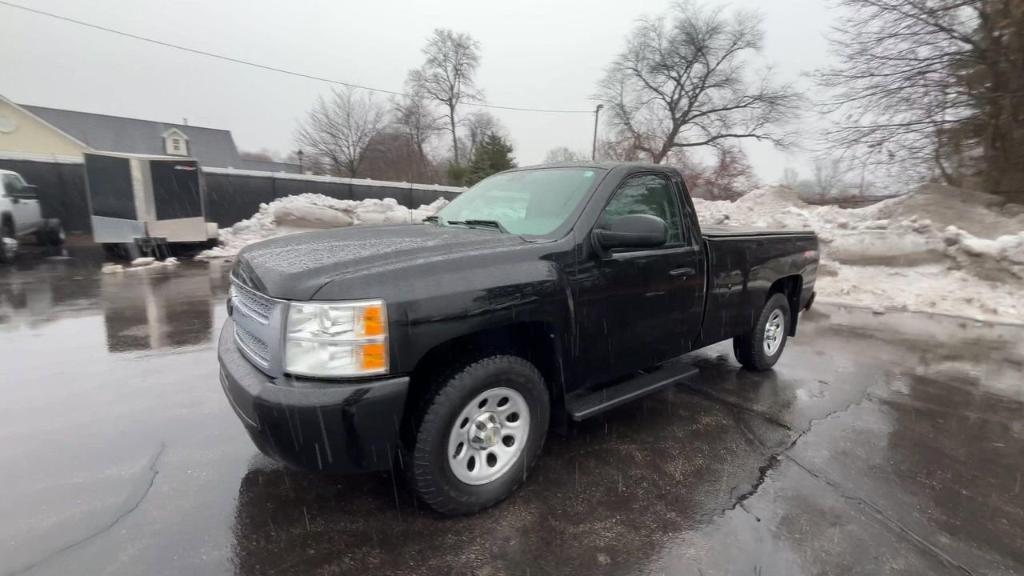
(741, 271)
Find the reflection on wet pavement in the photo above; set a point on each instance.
(146, 312)
(880, 444)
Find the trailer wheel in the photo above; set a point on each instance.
(52, 233)
(761, 348)
(116, 251)
(479, 435)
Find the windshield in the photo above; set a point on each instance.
(531, 202)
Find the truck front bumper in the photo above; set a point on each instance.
(339, 426)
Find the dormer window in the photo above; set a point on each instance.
(175, 142)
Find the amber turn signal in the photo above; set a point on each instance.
(374, 356)
(373, 321)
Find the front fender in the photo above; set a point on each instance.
(436, 310)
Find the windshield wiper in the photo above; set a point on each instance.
(486, 223)
(434, 218)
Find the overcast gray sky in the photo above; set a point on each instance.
(535, 53)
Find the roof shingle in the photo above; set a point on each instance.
(212, 147)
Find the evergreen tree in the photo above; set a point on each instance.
(492, 155)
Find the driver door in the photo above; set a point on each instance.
(640, 307)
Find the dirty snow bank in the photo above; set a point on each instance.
(939, 249)
(305, 212)
(144, 263)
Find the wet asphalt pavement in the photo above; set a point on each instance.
(879, 444)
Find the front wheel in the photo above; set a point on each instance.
(480, 434)
(761, 348)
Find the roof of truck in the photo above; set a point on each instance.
(602, 165)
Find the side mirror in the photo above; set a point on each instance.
(632, 231)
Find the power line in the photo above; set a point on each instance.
(265, 66)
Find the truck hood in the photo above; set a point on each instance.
(296, 266)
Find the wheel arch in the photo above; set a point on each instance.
(535, 341)
(790, 286)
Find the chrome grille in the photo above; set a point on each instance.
(255, 304)
(259, 326)
(257, 349)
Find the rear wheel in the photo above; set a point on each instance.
(761, 348)
(480, 434)
(8, 243)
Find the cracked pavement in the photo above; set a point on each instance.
(880, 444)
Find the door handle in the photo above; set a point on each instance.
(686, 271)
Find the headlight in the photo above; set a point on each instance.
(337, 339)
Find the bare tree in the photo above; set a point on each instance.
(447, 75)
(833, 179)
(682, 82)
(478, 125)
(790, 177)
(419, 121)
(728, 177)
(393, 155)
(564, 154)
(338, 131)
(933, 84)
(618, 150)
(829, 176)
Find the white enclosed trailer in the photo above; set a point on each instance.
(143, 203)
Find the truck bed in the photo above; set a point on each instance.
(742, 265)
(727, 231)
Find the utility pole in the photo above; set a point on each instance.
(298, 154)
(593, 148)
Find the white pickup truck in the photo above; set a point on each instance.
(21, 216)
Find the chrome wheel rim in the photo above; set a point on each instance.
(488, 436)
(9, 247)
(774, 332)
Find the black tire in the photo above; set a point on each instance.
(6, 231)
(432, 477)
(114, 251)
(52, 233)
(750, 348)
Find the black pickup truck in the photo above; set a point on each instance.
(539, 296)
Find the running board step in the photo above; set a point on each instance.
(588, 404)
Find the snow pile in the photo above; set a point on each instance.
(143, 263)
(305, 212)
(938, 249)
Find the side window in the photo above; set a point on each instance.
(12, 184)
(647, 194)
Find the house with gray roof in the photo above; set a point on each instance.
(53, 132)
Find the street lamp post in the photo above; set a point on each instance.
(593, 148)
